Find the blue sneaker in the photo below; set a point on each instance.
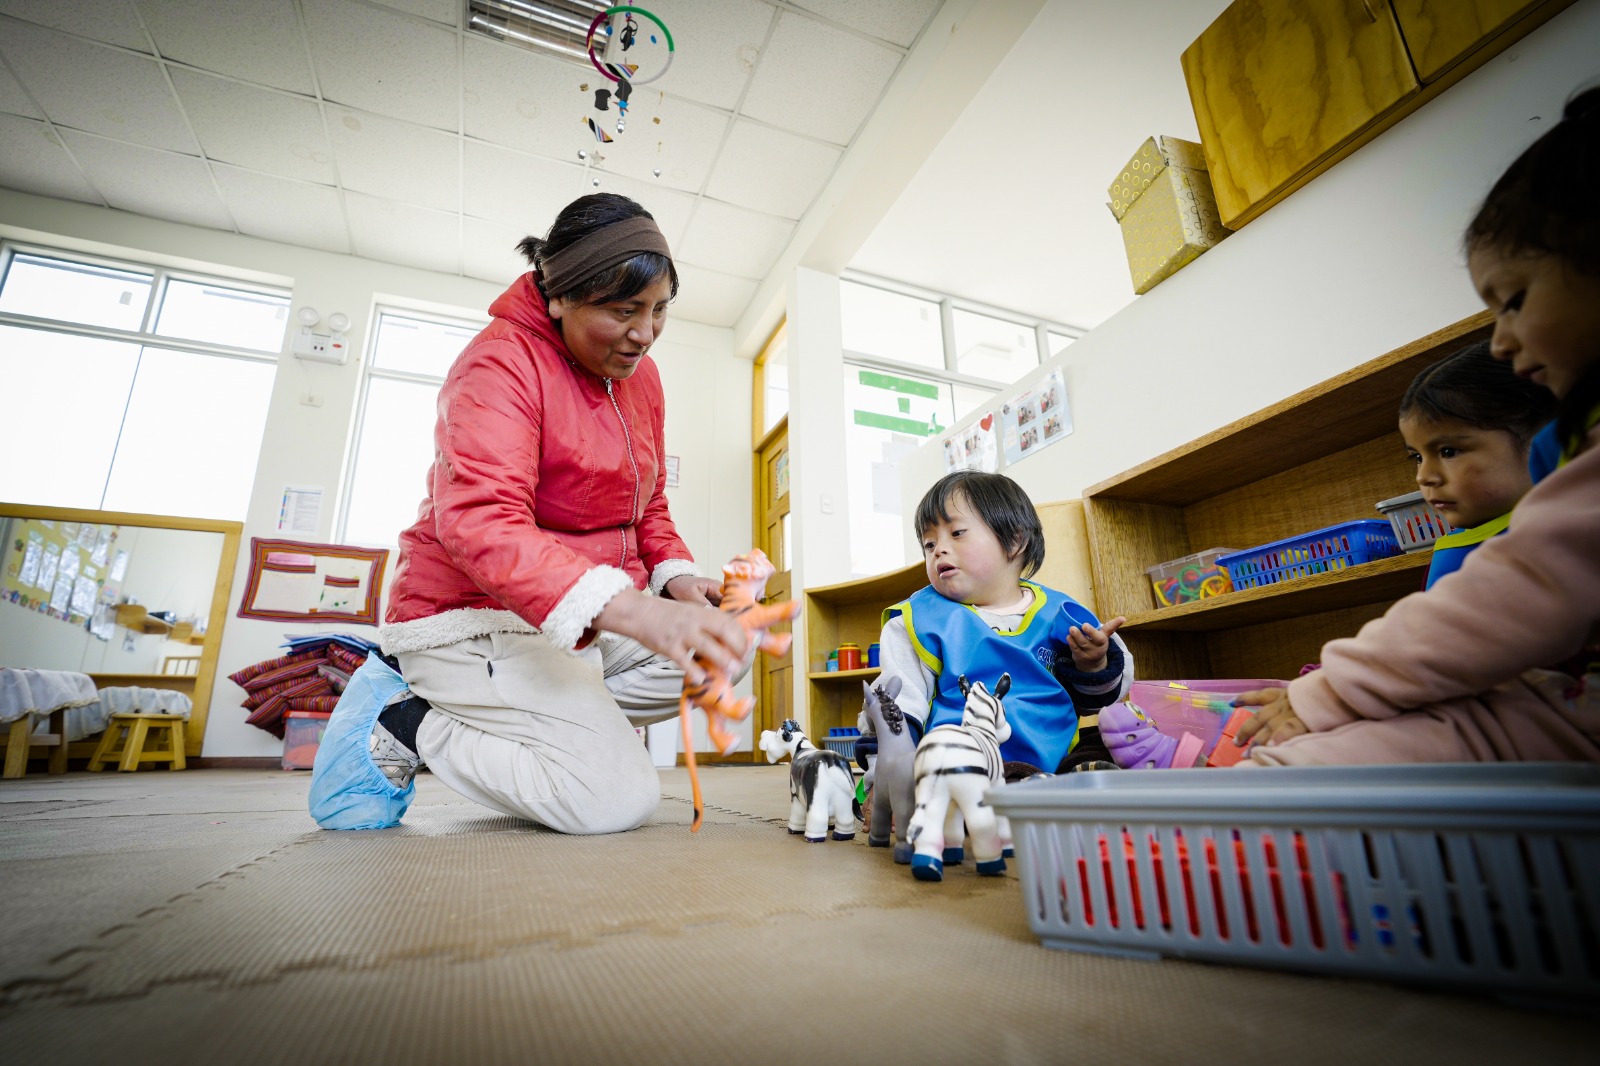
(348, 789)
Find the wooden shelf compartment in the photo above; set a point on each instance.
(1325, 455)
(850, 610)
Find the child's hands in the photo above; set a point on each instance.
(1089, 645)
(1274, 720)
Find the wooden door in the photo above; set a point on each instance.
(774, 676)
(1440, 33)
(1279, 86)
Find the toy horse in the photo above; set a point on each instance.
(822, 787)
(744, 580)
(955, 765)
(892, 785)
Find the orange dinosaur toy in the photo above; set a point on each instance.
(744, 580)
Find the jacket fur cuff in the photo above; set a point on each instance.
(573, 616)
(668, 569)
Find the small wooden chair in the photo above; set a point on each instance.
(124, 739)
(181, 665)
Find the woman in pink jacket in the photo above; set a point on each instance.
(543, 604)
(1499, 661)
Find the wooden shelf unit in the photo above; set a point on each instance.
(1323, 456)
(137, 618)
(851, 610)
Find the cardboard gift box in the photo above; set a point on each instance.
(1168, 213)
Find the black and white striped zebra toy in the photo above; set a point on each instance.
(954, 767)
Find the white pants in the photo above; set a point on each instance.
(535, 732)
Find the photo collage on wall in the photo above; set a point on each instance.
(1035, 418)
(71, 571)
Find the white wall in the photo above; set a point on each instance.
(708, 392)
(1362, 260)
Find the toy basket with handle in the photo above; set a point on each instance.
(1483, 876)
(1333, 548)
(1416, 525)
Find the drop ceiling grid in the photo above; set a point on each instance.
(331, 124)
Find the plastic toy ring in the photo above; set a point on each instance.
(608, 13)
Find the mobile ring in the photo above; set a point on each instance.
(588, 42)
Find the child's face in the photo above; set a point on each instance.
(966, 562)
(1547, 315)
(1468, 475)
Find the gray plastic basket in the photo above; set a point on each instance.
(1472, 875)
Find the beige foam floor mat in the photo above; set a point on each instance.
(200, 917)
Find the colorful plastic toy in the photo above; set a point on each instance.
(954, 766)
(893, 781)
(822, 787)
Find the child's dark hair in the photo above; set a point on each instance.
(1002, 505)
(1544, 204)
(1472, 386)
(576, 221)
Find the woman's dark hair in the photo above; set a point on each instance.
(1473, 387)
(1002, 505)
(1544, 204)
(576, 221)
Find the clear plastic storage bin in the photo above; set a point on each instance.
(1193, 577)
(1483, 876)
(302, 733)
(1416, 525)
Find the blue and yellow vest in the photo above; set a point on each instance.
(952, 639)
(1452, 549)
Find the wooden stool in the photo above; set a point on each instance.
(135, 728)
(20, 737)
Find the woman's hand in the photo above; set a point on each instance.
(1089, 645)
(678, 631)
(1274, 720)
(686, 588)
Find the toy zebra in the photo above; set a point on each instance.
(892, 783)
(744, 582)
(822, 787)
(954, 766)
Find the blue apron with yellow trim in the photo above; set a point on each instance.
(1452, 549)
(1044, 723)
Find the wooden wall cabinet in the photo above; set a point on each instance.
(1323, 456)
(1284, 89)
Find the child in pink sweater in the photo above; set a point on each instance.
(1498, 661)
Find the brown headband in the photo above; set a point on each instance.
(606, 247)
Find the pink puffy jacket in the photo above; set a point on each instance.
(545, 498)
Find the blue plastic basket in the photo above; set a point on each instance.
(1333, 548)
(842, 740)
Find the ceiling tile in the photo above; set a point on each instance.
(256, 40)
(717, 42)
(384, 62)
(669, 207)
(489, 251)
(90, 87)
(895, 21)
(445, 11)
(32, 160)
(818, 80)
(744, 174)
(395, 160)
(734, 240)
(400, 233)
(111, 21)
(681, 145)
(517, 189)
(277, 209)
(13, 99)
(710, 297)
(524, 100)
(150, 182)
(256, 128)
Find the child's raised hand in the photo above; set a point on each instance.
(1089, 644)
(1274, 720)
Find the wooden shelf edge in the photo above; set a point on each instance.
(884, 586)
(1385, 579)
(844, 675)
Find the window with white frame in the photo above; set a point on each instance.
(915, 362)
(393, 448)
(132, 387)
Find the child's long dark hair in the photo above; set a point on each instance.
(1473, 387)
(1545, 204)
(1002, 505)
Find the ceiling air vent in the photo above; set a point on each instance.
(554, 27)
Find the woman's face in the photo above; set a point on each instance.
(609, 338)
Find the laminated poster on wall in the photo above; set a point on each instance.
(973, 448)
(1037, 418)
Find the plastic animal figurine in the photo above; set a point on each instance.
(892, 783)
(1136, 744)
(822, 787)
(744, 579)
(955, 765)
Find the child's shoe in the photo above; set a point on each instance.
(1133, 740)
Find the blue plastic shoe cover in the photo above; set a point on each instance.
(347, 790)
